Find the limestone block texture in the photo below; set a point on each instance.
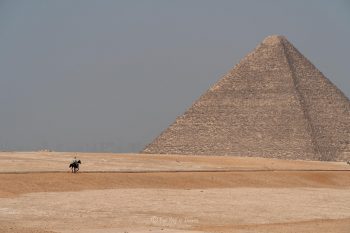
(274, 103)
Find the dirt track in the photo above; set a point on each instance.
(239, 201)
(16, 184)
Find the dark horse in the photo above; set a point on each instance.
(75, 166)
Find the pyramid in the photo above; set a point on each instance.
(274, 103)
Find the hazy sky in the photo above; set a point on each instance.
(111, 75)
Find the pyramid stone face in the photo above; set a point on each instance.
(274, 104)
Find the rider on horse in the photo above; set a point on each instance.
(75, 165)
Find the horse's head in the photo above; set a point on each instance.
(79, 161)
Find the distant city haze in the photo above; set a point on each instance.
(111, 75)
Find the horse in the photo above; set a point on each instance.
(75, 166)
(348, 162)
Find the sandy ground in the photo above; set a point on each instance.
(59, 161)
(152, 193)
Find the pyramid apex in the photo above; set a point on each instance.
(273, 39)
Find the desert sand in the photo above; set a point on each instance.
(167, 193)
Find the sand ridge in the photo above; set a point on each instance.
(18, 184)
